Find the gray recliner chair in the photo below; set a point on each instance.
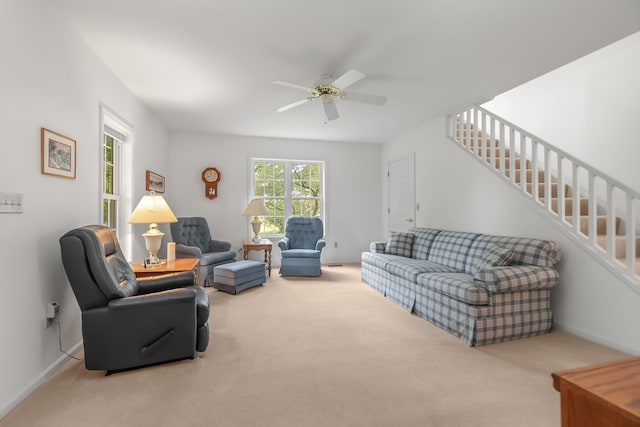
(301, 246)
(193, 240)
(129, 322)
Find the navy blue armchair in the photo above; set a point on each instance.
(193, 240)
(301, 246)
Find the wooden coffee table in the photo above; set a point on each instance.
(176, 266)
(603, 395)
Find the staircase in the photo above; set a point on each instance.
(587, 205)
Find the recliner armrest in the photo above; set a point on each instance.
(164, 282)
(184, 251)
(219, 246)
(139, 302)
(321, 243)
(283, 243)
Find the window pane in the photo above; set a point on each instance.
(113, 214)
(108, 178)
(307, 207)
(305, 180)
(105, 211)
(108, 149)
(110, 213)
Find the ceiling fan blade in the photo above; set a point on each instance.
(330, 108)
(293, 104)
(364, 97)
(347, 79)
(293, 85)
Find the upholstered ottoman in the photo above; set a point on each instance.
(238, 276)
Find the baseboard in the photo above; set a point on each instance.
(59, 363)
(595, 338)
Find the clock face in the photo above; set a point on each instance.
(211, 175)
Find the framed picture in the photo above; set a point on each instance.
(155, 182)
(58, 154)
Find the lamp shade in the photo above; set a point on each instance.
(255, 207)
(152, 209)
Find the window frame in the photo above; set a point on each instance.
(111, 123)
(116, 164)
(288, 196)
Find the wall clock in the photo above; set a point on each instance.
(211, 177)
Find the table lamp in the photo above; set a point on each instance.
(256, 208)
(152, 209)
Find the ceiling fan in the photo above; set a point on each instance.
(327, 91)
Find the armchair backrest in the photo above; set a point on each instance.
(303, 231)
(191, 231)
(96, 267)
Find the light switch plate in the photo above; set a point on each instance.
(10, 202)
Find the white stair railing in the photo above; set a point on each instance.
(591, 207)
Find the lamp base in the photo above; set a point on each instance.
(255, 225)
(153, 240)
(153, 259)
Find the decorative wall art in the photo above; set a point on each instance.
(155, 182)
(58, 154)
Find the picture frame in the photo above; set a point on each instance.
(155, 182)
(57, 154)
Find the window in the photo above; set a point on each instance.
(115, 177)
(288, 187)
(111, 148)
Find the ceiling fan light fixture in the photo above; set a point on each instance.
(326, 91)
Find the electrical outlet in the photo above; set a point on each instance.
(335, 244)
(51, 311)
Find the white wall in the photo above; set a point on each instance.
(456, 192)
(49, 78)
(352, 187)
(588, 108)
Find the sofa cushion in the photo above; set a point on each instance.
(423, 241)
(459, 286)
(399, 243)
(300, 253)
(451, 248)
(409, 268)
(526, 251)
(493, 256)
(379, 260)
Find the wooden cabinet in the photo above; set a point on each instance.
(603, 395)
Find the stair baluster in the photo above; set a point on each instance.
(558, 183)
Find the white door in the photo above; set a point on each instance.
(401, 179)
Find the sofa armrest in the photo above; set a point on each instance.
(184, 251)
(219, 246)
(321, 243)
(377, 247)
(516, 277)
(283, 244)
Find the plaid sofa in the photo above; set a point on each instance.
(481, 288)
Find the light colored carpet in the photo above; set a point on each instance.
(323, 351)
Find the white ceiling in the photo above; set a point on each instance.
(207, 65)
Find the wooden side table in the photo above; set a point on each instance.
(260, 245)
(603, 395)
(176, 266)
